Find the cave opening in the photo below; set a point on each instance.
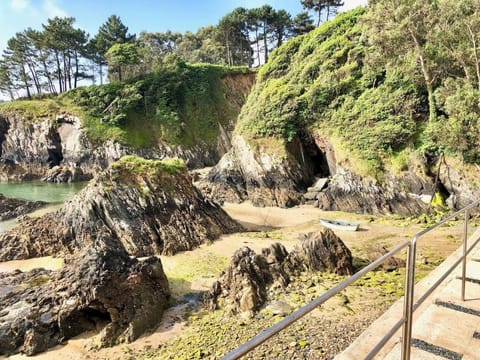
(55, 157)
(92, 318)
(314, 155)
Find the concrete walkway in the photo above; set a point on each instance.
(444, 326)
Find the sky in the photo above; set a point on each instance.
(138, 15)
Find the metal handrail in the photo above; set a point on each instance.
(409, 306)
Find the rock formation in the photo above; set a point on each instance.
(100, 285)
(135, 208)
(347, 191)
(268, 179)
(263, 178)
(244, 285)
(29, 148)
(150, 207)
(11, 208)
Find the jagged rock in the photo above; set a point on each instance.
(460, 183)
(391, 264)
(101, 284)
(322, 251)
(262, 178)
(319, 185)
(349, 192)
(150, 207)
(65, 174)
(244, 284)
(11, 208)
(269, 179)
(245, 281)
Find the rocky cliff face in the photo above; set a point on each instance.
(31, 148)
(282, 177)
(260, 176)
(150, 207)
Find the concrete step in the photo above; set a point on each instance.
(444, 326)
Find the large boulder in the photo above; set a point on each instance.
(99, 286)
(350, 192)
(150, 207)
(243, 286)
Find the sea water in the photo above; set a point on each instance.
(54, 194)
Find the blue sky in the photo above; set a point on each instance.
(138, 15)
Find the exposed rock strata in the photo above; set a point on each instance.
(65, 174)
(347, 191)
(11, 208)
(253, 173)
(244, 284)
(149, 209)
(99, 285)
(263, 178)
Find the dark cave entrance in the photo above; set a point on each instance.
(92, 318)
(315, 154)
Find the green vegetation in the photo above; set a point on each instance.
(384, 96)
(181, 104)
(38, 108)
(139, 166)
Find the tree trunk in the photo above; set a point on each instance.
(75, 75)
(432, 115)
(257, 41)
(100, 71)
(25, 81)
(432, 108)
(475, 53)
(265, 43)
(59, 72)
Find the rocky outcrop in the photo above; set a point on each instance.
(65, 174)
(347, 191)
(243, 286)
(458, 183)
(150, 207)
(34, 149)
(101, 286)
(309, 173)
(264, 178)
(29, 148)
(11, 208)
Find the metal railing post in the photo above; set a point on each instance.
(464, 254)
(408, 300)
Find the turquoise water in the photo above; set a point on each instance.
(54, 194)
(38, 190)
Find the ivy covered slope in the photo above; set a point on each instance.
(318, 110)
(185, 110)
(182, 104)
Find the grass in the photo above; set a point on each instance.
(139, 166)
(39, 108)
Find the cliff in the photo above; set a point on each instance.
(188, 114)
(321, 110)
